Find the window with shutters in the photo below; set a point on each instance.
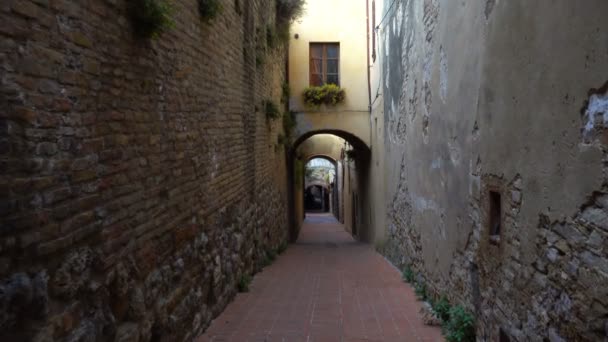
(324, 63)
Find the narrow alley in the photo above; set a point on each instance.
(326, 287)
(303, 170)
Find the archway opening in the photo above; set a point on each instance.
(330, 176)
(319, 186)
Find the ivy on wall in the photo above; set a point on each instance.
(209, 9)
(151, 18)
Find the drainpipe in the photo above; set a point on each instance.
(369, 99)
(369, 84)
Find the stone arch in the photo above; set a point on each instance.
(310, 157)
(353, 139)
(351, 180)
(351, 126)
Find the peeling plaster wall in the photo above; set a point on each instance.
(506, 96)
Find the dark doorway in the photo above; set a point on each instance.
(316, 199)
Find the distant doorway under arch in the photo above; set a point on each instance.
(316, 199)
(319, 190)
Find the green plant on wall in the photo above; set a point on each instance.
(150, 18)
(420, 290)
(281, 141)
(285, 93)
(209, 9)
(328, 94)
(286, 12)
(271, 37)
(461, 325)
(289, 126)
(289, 10)
(442, 309)
(272, 110)
(408, 275)
(243, 283)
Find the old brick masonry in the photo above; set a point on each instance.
(139, 178)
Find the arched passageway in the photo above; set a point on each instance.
(341, 191)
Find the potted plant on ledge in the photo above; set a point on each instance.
(327, 94)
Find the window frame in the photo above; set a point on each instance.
(324, 59)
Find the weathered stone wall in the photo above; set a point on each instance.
(502, 96)
(140, 179)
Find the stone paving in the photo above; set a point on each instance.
(326, 287)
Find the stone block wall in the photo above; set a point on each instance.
(139, 178)
(506, 97)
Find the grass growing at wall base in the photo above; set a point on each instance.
(420, 289)
(408, 275)
(243, 284)
(458, 324)
(442, 309)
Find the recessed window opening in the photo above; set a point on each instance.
(495, 217)
(502, 336)
(324, 64)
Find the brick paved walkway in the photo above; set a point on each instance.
(326, 287)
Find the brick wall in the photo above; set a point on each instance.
(140, 178)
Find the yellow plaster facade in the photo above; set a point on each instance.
(343, 22)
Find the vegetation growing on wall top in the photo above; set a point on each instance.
(328, 94)
(289, 10)
(150, 18)
(286, 12)
(209, 9)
